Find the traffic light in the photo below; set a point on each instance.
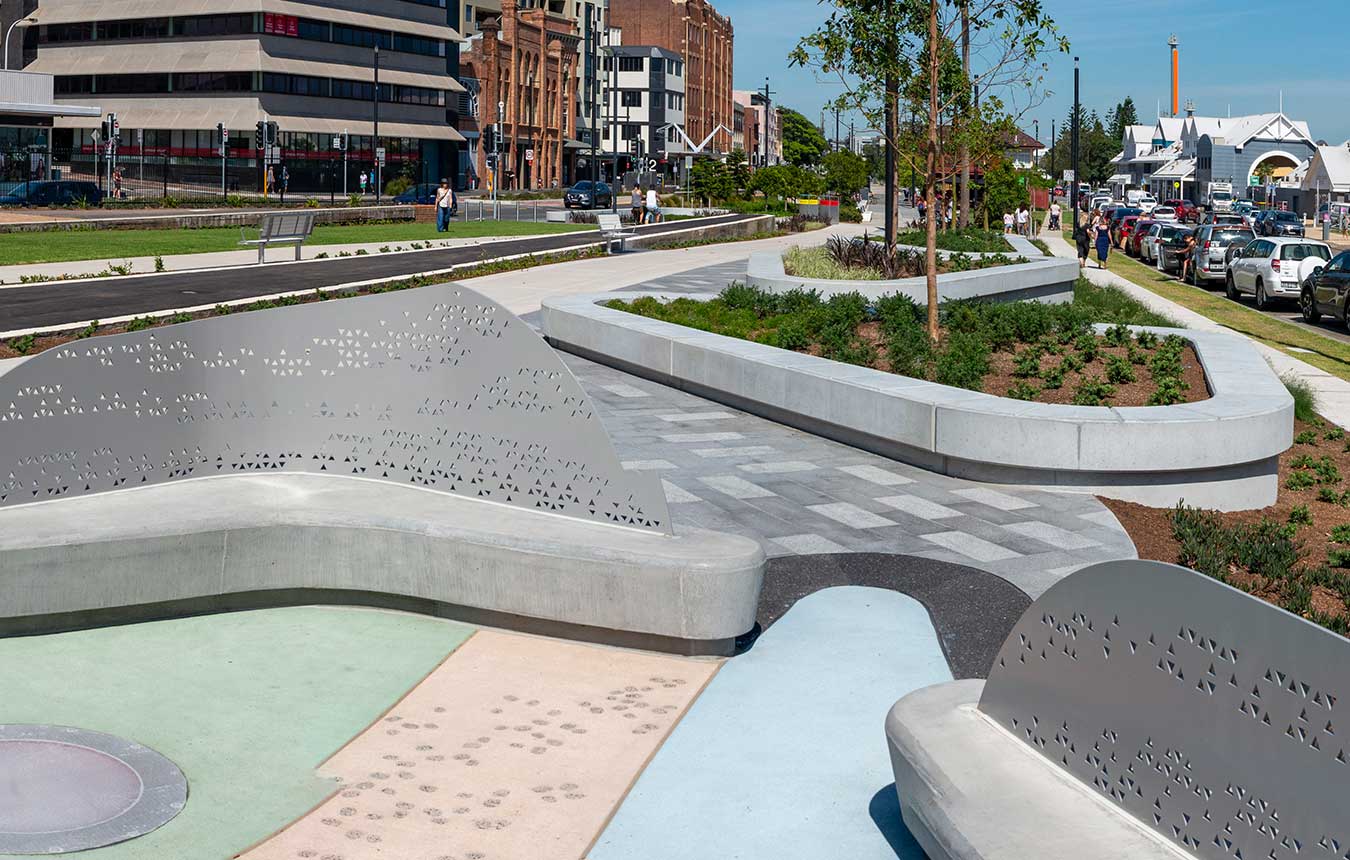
(491, 162)
(490, 138)
(273, 134)
(258, 131)
(340, 142)
(111, 128)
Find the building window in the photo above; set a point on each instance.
(631, 98)
(226, 82)
(468, 16)
(630, 64)
(631, 131)
(143, 28)
(215, 25)
(361, 37)
(296, 85)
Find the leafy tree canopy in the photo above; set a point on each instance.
(845, 173)
(803, 144)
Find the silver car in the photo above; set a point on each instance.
(1274, 268)
(1209, 259)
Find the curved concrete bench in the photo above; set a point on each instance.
(1043, 279)
(1219, 453)
(1137, 710)
(263, 540)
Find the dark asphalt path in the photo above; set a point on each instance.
(59, 303)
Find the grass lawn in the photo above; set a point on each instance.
(1330, 355)
(117, 245)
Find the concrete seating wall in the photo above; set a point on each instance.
(1137, 710)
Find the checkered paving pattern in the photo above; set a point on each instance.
(800, 494)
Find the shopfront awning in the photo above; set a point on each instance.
(78, 11)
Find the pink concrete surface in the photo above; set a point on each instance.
(515, 748)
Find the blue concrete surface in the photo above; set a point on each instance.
(784, 755)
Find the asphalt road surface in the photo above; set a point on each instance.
(57, 303)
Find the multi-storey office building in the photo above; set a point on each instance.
(647, 107)
(172, 72)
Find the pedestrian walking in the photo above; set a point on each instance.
(285, 180)
(1102, 230)
(635, 205)
(445, 201)
(363, 180)
(1007, 222)
(1054, 215)
(1023, 221)
(653, 206)
(1081, 226)
(117, 183)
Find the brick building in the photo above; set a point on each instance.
(695, 31)
(527, 59)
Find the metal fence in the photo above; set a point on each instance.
(148, 174)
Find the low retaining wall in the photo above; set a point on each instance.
(221, 218)
(1043, 279)
(242, 541)
(1219, 453)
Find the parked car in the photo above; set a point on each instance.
(425, 194)
(1126, 230)
(1223, 218)
(1326, 290)
(43, 192)
(1185, 209)
(1280, 224)
(1161, 231)
(1137, 234)
(1118, 216)
(1100, 201)
(1274, 268)
(1169, 249)
(1210, 257)
(1165, 213)
(1242, 207)
(589, 195)
(1147, 202)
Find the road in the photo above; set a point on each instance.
(60, 303)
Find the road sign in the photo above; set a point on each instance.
(529, 155)
(379, 155)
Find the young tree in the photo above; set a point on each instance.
(877, 49)
(803, 144)
(1123, 116)
(1004, 190)
(845, 173)
(740, 170)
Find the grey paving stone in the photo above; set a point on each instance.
(851, 515)
(737, 488)
(971, 546)
(679, 438)
(648, 465)
(785, 466)
(994, 498)
(918, 507)
(624, 390)
(677, 495)
(1101, 518)
(1053, 535)
(877, 475)
(734, 451)
(809, 544)
(687, 417)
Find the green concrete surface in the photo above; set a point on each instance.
(248, 704)
(118, 245)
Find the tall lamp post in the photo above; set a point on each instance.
(21, 23)
(379, 171)
(1073, 194)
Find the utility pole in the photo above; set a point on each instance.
(1073, 194)
(223, 135)
(593, 82)
(765, 136)
(891, 103)
(836, 127)
(964, 149)
(1052, 150)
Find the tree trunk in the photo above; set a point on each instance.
(964, 154)
(930, 170)
(892, 133)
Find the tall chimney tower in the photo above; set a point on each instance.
(1172, 43)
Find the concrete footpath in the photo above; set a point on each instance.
(1333, 393)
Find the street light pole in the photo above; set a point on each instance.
(22, 22)
(1052, 150)
(1073, 194)
(378, 166)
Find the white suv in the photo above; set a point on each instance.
(1274, 268)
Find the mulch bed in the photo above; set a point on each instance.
(1151, 528)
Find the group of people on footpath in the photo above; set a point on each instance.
(645, 209)
(945, 208)
(1018, 222)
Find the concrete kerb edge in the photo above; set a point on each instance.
(335, 288)
(1220, 452)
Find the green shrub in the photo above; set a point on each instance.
(1023, 391)
(1305, 400)
(1135, 354)
(1299, 481)
(1307, 437)
(1087, 347)
(1302, 461)
(1093, 391)
(1118, 370)
(1169, 390)
(1073, 362)
(1328, 495)
(1146, 339)
(1340, 534)
(140, 323)
(159, 263)
(1053, 377)
(1338, 557)
(1326, 471)
(791, 335)
(962, 361)
(1335, 434)
(1028, 363)
(22, 344)
(1301, 516)
(88, 331)
(1118, 335)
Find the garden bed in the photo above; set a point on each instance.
(1024, 350)
(857, 260)
(971, 240)
(1294, 553)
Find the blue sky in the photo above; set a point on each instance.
(1236, 55)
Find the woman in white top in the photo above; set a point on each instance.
(653, 206)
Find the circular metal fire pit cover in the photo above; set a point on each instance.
(64, 789)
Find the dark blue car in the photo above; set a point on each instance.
(424, 193)
(64, 192)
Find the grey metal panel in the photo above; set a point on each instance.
(438, 387)
(1209, 715)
